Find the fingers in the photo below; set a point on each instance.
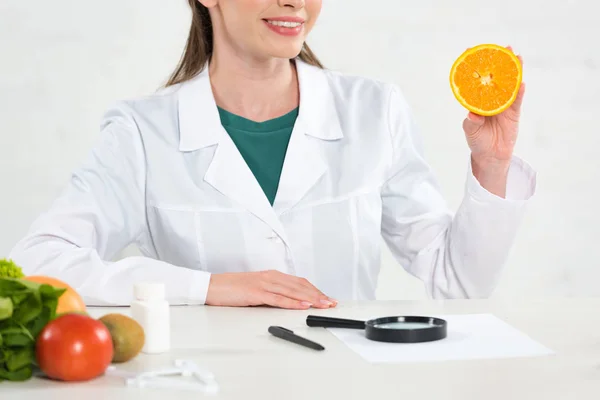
(297, 289)
(509, 47)
(305, 283)
(476, 118)
(516, 106)
(296, 293)
(302, 287)
(276, 300)
(473, 123)
(519, 100)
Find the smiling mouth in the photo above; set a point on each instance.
(284, 24)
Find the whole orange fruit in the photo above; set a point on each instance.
(69, 302)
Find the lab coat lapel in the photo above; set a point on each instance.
(230, 175)
(304, 165)
(316, 124)
(200, 127)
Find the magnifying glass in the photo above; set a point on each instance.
(407, 329)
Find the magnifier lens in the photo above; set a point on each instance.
(403, 325)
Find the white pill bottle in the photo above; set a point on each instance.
(151, 310)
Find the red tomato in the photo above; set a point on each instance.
(74, 347)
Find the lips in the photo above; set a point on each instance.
(286, 26)
(286, 19)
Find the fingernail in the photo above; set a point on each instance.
(306, 304)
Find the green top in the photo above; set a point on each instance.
(263, 145)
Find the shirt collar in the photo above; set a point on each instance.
(200, 123)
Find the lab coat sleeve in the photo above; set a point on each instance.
(456, 256)
(100, 212)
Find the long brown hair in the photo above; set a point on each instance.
(199, 47)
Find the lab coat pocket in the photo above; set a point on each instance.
(336, 242)
(174, 232)
(228, 239)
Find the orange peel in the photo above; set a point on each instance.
(486, 79)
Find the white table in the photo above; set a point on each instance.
(249, 363)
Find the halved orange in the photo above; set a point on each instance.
(486, 79)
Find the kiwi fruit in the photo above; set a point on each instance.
(127, 335)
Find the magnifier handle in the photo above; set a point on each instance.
(328, 322)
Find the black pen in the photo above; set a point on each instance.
(290, 336)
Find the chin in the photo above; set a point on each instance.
(288, 52)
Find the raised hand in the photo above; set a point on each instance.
(492, 141)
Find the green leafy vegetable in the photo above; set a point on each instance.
(19, 358)
(8, 269)
(6, 308)
(25, 309)
(29, 309)
(16, 337)
(19, 375)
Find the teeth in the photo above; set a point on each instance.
(285, 24)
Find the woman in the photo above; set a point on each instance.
(259, 178)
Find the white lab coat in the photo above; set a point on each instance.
(165, 175)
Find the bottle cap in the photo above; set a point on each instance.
(149, 291)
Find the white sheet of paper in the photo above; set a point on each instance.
(474, 336)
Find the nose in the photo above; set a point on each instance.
(291, 3)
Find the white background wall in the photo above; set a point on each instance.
(63, 61)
